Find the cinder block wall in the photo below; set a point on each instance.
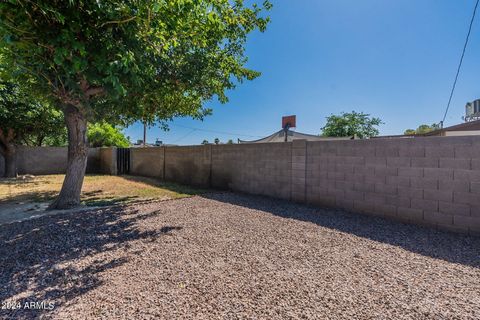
(188, 165)
(147, 162)
(431, 181)
(254, 168)
(44, 160)
(49, 160)
(108, 160)
(2, 166)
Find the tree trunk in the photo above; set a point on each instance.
(77, 160)
(10, 161)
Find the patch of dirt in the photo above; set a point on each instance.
(11, 212)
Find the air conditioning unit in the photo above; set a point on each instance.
(472, 110)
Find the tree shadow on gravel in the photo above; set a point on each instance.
(54, 258)
(451, 247)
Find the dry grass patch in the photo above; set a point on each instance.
(97, 189)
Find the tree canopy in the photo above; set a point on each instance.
(126, 60)
(105, 135)
(160, 59)
(30, 119)
(423, 128)
(351, 124)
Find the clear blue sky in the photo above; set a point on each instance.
(393, 59)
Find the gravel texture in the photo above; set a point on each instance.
(231, 256)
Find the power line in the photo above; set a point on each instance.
(461, 61)
(219, 132)
(183, 137)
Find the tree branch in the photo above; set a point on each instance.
(94, 91)
(89, 91)
(117, 21)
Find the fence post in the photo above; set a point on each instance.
(299, 168)
(108, 160)
(208, 163)
(164, 162)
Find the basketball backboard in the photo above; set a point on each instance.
(290, 121)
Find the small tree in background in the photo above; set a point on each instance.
(105, 135)
(216, 141)
(230, 141)
(423, 128)
(205, 142)
(126, 61)
(349, 124)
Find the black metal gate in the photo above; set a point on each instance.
(123, 161)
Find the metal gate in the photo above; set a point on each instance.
(123, 161)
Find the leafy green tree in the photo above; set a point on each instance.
(230, 141)
(216, 141)
(24, 120)
(351, 124)
(126, 61)
(423, 128)
(204, 142)
(105, 135)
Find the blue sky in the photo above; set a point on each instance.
(393, 59)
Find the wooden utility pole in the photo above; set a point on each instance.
(144, 134)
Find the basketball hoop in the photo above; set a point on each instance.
(289, 122)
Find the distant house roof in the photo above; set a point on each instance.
(462, 129)
(279, 136)
(467, 126)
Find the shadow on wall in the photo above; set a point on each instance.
(451, 247)
(39, 259)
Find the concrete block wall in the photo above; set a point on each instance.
(108, 160)
(433, 181)
(264, 169)
(147, 162)
(44, 160)
(430, 181)
(93, 160)
(2, 166)
(49, 160)
(188, 165)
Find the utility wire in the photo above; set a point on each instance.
(219, 132)
(461, 61)
(183, 137)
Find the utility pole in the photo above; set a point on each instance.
(144, 133)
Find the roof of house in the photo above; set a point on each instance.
(467, 126)
(279, 136)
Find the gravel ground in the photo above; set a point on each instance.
(230, 256)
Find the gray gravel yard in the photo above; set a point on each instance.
(231, 256)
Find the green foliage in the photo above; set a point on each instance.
(230, 141)
(33, 121)
(205, 142)
(130, 60)
(423, 128)
(105, 135)
(216, 141)
(351, 124)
